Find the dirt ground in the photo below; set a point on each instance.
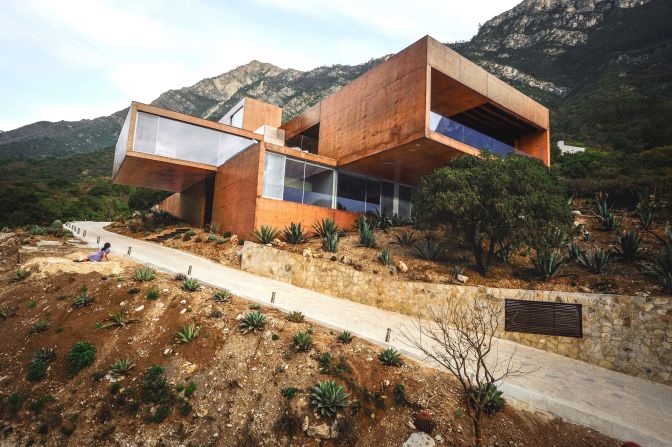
(239, 378)
(620, 277)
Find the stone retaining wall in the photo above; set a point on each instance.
(630, 334)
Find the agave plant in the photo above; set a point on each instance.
(628, 245)
(367, 237)
(327, 398)
(427, 249)
(385, 257)
(405, 238)
(595, 260)
(610, 222)
(118, 320)
(45, 355)
(190, 285)
(187, 333)
(602, 209)
(390, 357)
(21, 274)
(574, 251)
(645, 216)
(266, 234)
(662, 267)
(252, 321)
(296, 316)
(325, 228)
(555, 238)
(489, 395)
(345, 337)
(548, 262)
(83, 298)
(397, 221)
(330, 243)
(302, 341)
(144, 274)
(121, 367)
(222, 296)
(153, 294)
(38, 327)
(294, 234)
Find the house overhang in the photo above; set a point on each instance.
(171, 151)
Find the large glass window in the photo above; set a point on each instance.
(404, 207)
(293, 191)
(237, 118)
(372, 196)
(318, 186)
(297, 181)
(467, 135)
(387, 198)
(351, 193)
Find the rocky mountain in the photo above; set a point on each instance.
(603, 67)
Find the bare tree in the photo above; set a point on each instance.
(460, 337)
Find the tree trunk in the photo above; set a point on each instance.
(477, 432)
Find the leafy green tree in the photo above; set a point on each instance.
(492, 202)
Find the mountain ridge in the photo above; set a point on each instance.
(603, 67)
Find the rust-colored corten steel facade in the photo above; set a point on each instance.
(363, 149)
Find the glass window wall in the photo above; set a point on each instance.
(297, 181)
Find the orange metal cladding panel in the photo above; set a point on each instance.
(258, 113)
(279, 214)
(188, 205)
(383, 108)
(150, 171)
(450, 63)
(236, 189)
(302, 122)
(449, 97)
(537, 145)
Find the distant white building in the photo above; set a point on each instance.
(565, 149)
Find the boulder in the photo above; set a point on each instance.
(322, 431)
(463, 279)
(234, 239)
(307, 253)
(419, 439)
(401, 266)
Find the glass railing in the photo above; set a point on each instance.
(467, 135)
(170, 138)
(303, 142)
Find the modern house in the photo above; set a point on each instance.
(362, 149)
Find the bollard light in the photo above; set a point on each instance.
(387, 335)
(98, 240)
(273, 297)
(129, 251)
(189, 271)
(84, 235)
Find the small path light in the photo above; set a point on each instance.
(79, 230)
(387, 335)
(98, 240)
(129, 251)
(273, 297)
(189, 271)
(84, 235)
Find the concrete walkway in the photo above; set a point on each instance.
(616, 404)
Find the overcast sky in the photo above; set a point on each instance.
(68, 60)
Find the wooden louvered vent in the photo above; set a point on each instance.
(541, 317)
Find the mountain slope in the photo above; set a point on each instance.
(603, 67)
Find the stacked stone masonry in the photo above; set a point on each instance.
(630, 334)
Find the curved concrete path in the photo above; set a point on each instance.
(616, 404)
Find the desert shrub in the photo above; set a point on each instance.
(153, 294)
(489, 202)
(114, 388)
(427, 249)
(222, 296)
(212, 237)
(628, 245)
(330, 243)
(40, 326)
(80, 356)
(547, 262)
(58, 330)
(302, 341)
(187, 333)
(345, 337)
(32, 303)
(661, 268)
(121, 366)
(385, 258)
(424, 422)
(490, 395)
(37, 405)
(289, 392)
(190, 233)
(327, 398)
(190, 285)
(180, 277)
(266, 234)
(595, 260)
(39, 360)
(399, 394)
(216, 314)
(8, 311)
(296, 316)
(82, 299)
(405, 238)
(154, 388)
(252, 321)
(390, 357)
(118, 319)
(325, 228)
(325, 362)
(37, 230)
(367, 237)
(21, 274)
(255, 306)
(294, 233)
(144, 274)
